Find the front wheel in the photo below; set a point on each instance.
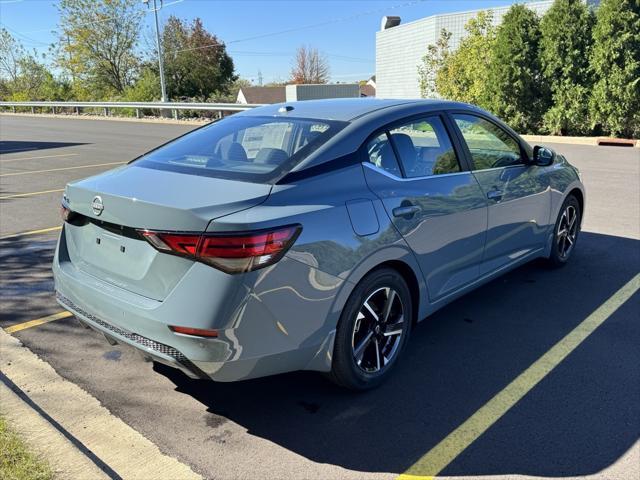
(373, 329)
(566, 232)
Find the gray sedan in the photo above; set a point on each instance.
(309, 235)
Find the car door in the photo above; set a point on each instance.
(433, 200)
(518, 195)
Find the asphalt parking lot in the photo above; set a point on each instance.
(582, 418)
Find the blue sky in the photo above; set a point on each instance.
(343, 30)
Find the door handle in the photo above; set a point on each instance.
(494, 194)
(406, 211)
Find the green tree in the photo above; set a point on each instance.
(615, 60)
(464, 73)
(196, 63)
(431, 64)
(146, 87)
(24, 77)
(518, 92)
(565, 47)
(36, 82)
(97, 44)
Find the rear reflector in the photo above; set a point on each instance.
(229, 252)
(199, 332)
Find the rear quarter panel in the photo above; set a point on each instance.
(336, 256)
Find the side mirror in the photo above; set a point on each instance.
(543, 156)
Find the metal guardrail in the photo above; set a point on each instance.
(138, 106)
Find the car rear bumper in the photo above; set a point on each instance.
(270, 321)
(149, 349)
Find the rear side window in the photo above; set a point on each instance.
(254, 149)
(424, 148)
(490, 145)
(381, 154)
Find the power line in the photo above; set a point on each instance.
(306, 27)
(289, 54)
(25, 37)
(246, 39)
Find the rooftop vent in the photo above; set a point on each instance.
(389, 22)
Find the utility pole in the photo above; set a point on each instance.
(163, 87)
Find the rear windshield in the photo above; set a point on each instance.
(253, 149)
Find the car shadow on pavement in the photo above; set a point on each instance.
(25, 273)
(14, 146)
(579, 420)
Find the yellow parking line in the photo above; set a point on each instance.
(60, 169)
(32, 232)
(37, 321)
(35, 158)
(30, 194)
(440, 456)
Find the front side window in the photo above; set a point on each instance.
(490, 145)
(246, 148)
(424, 148)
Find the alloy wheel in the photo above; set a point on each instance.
(378, 330)
(567, 231)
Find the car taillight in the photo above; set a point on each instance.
(229, 252)
(64, 213)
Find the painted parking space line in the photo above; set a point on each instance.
(37, 321)
(32, 232)
(440, 456)
(7, 160)
(12, 174)
(30, 194)
(105, 440)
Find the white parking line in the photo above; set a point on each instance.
(60, 169)
(36, 158)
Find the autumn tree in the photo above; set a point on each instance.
(196, 62)
(615, 61)
(565, 49)
(97, 43)
(431, 64)
(309, 66)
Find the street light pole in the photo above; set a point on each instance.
(163, 86)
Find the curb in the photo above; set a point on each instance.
(64, 458)
(76, 421)
(593, 141)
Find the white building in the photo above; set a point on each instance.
(400, 47)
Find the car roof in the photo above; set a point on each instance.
(342, 109)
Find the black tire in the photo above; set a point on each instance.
(562, 248)
(355, 327)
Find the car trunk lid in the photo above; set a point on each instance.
(104, 241)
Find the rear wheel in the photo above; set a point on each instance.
(566, 232)
(373, 329)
